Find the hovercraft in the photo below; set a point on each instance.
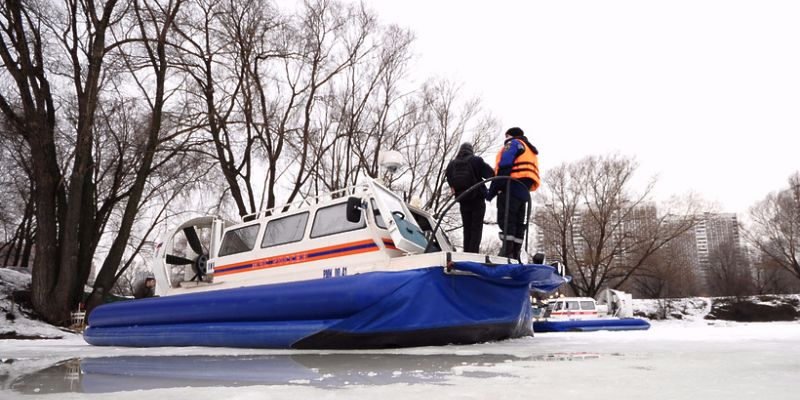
(358, 268)
(584, 314)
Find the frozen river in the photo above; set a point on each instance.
(673, 360)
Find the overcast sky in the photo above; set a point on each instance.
(706, 94)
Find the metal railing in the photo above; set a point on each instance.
(307, 201)
(476, 186)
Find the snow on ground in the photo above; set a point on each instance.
(14, 320)
(745, 309)
(692, 308)
(683, 357)
(672, 360)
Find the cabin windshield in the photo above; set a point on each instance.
(425, 224)
(406, 224)
(239, 240)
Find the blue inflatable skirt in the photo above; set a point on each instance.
(421, 307)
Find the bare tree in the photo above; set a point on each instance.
(364, 113)
(557, 215)
(447, 119)
(775, 228)
(107, 103)
(29, 32)
(17, 222)
(155, 24)
(770, 278)
(126, 283)
(602, 231)
(222, 43)
(728, 272)
(172, 186)
(334, 37)
(670, 272)
(265, 81)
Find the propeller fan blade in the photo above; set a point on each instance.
(178, 260)
(194, 241)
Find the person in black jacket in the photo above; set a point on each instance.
(463, 172)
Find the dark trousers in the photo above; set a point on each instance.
(512, 235)
(472, 217)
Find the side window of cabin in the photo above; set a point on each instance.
(587, 305)
(285, 230)
(332, 220)
(377, 214)
(239, 240)
(572, 306)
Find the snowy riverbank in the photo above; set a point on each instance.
(764, 308)
(15, 317)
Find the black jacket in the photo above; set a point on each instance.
(481, 170)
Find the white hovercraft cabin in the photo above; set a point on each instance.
(309, 239)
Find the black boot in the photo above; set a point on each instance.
(507, 249)
(517, 248)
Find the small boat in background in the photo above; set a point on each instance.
(583, 314)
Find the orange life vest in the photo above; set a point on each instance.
(526, 165)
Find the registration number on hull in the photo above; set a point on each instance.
(334, 272)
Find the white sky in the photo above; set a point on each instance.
(705, 93)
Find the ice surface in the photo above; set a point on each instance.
(689, 358)
(672, 360)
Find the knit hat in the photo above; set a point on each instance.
(465, 151)
(515, 132)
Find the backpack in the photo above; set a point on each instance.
(463, 177)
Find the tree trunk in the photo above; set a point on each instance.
(108, 272)
(45, 264)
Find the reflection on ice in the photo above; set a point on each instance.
(116, 374)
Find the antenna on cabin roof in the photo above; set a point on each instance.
(389, 162)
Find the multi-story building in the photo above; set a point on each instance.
(713, 231)
(624, 229)
(694, 247)
(546, 234)
(684, 247)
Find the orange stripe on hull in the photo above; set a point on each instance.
(364, 246)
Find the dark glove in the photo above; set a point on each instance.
(491, 193)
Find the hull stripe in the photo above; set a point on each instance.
(322, 253)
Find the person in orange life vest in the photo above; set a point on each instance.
(463, 172)
(518, 159)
